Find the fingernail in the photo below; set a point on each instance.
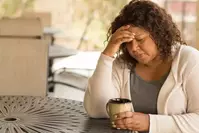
(116, 115)
(114, 126)
(113, 123)
(118, 128)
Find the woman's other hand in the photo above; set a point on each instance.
(122, 35)
(132, 121)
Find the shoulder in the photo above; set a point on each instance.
(189, 51)
(121, 70)
(185, 59)
(187, 54)
(119, 65)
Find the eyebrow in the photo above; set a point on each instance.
(141, 34)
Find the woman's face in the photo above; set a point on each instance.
(142, 48)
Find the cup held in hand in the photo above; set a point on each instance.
(118, 105)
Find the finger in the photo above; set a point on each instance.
(123, 40)
(121, 127)
(117, 33)
(125, 27)
(130, 126)
(133, 126)
(119, 122)
(125, 121)
(125, 36)
(124, 115)
(128, 120)
(126, 30)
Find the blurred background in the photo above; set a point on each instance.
(81, 26)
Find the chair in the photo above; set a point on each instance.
(45, 17)
(46, 20)
(21, 27)
(23, 58)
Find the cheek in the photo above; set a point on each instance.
(147, 50)
(150, 49)
(129, 49)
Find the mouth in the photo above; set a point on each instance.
(139, 55)
(136, 55)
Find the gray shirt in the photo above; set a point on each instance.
(144, 94)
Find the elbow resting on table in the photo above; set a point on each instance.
(93, 114)
(93, 111)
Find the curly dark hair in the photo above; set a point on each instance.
(152, 18)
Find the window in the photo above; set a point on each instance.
(184, 14)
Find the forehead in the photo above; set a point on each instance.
(138, 30)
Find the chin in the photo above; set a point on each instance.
(143, 61)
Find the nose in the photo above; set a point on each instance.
(134, 46)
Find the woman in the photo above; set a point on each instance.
(154, 68)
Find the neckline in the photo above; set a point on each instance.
(162, 78)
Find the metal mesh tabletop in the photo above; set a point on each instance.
(48, 115)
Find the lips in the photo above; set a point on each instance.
(136, 55)
(139, 55)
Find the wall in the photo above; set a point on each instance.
(197, 27)
(61, 17)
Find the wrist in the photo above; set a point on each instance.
(148, 121)
(108, 53)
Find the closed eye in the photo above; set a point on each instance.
(140, 40)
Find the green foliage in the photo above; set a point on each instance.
(12, 8)
(102, 10)
(96, 15)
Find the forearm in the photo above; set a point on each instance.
(186, 123)
(100, 88)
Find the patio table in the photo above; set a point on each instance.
(28, 114)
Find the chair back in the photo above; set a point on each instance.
(23, 58)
